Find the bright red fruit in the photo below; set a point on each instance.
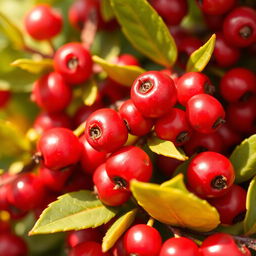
(216, 7)
(4, 98)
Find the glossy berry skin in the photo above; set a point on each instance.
(205, 113)
(237, 83)
(43, 22)
(154, 94)
(85, 235)
(45, 121)
(216, 7)
(231, 206)
(200, 142)
(239, 27)
(122, 170)
(59, 148)
(193, 83)
(4, 98)
(12, 245)
(219, 244)
(51, 93)
(241, 115)
(91, 158)
(167, 165)
(174, 127)
(225, 54)
(127, 60)
(105, 130)
(136, 123)
(52, 179)
(87, 249)
(106, 188)
(142, 240)
(210, 174)
(172, 11)
(179, 246)
(73, 62)
(214, 22)
(26, 192)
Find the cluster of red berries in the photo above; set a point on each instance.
(184, 108)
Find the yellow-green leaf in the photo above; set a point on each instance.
(124, 75)
(34, 66)
(175, 205)
(236, 229)
(11, 31)
(117, 229)
(146, 31)
(200, 58)
(90, 92)
(243, 159)
(73, 211)
(107, 12)
(250, 217)
(165, 148)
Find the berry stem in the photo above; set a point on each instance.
(34, 51)
(151, 222)
(79, 130)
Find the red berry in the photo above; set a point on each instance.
(105, 130)
(219, 244)
(191, 84)
(201, 142)
(4, 190)
(106, 188)
(239, 27)
(216, 7)
(153, 93)
(225, 54)
(142, 240)
(45, 121)
(174, 127)
(210, 174)
(85, 235)
(4, 98)
(59, 148)
(87, 249)
(49, 89)
(12, 245)
(127, 60)
(172, 11)
(231, 206)
(26, 192)
(205, 113)
(214, 22)
(237, 84)
(136, 123)
(91, 158)
(179, 246)
(74, 62)
(167, 165)
(118, 249)
(122, 170)
(52, 179)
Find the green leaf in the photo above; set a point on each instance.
(34, 66)
(235, 230)
(117, 229)
(13, 141)
(124, 75)
(250, 217)
(243, 159)
(146, 31)
(90, 92)
(165, 148)
(73, 211)
(107, 12)
(174, 205)
(11, 31)
(200, 58)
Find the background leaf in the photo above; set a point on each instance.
(124, 75)
(73, 211)
(200, 58)
(34, 66)
(250, 217)
(243, 159)
(165, 148)
(107, 12)
(167, 204)
(90, 92)
(117, 229)
(146, 31)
